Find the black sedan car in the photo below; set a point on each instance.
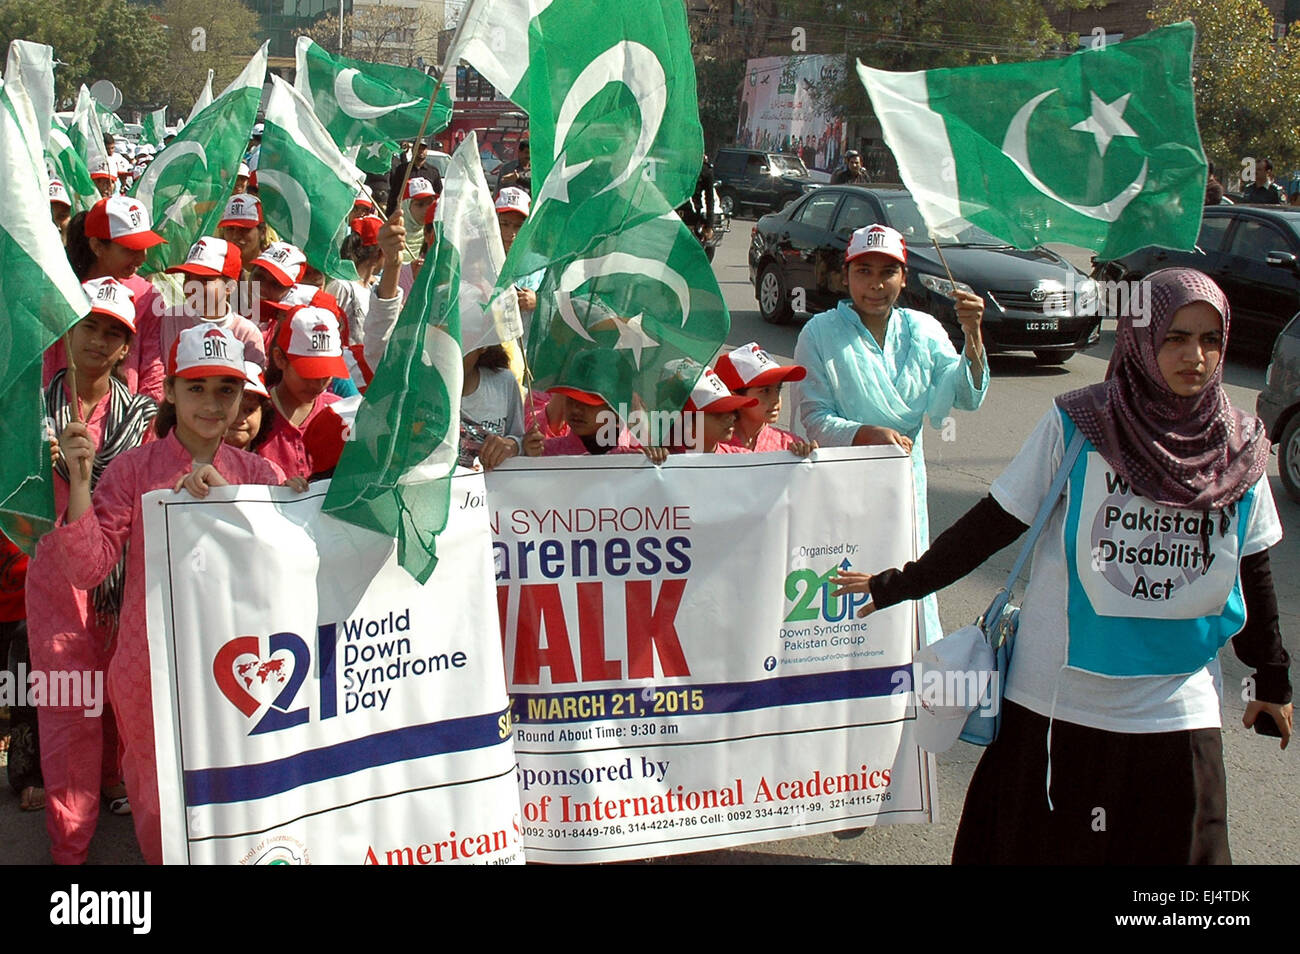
(1252, 251)
(1034, 300)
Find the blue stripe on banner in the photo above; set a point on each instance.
(635, 702)
(240, 783)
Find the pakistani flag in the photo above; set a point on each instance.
(491, 36)
(155, 127)
(186, 187)
(1099, 149)
(65, 163)
(85, 133)
(469, 225)
(614, 121)
(109, 121)
(40, 298)
(204, 100)
(375, 158)
(643, 299)
(360, 102)
(31, 65)
(306, 185)
(395, 473)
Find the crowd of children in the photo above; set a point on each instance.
(229, 373)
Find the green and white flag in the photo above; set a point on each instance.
(361, 102)
(204, 100)
(1099, 149)
(374, 158)
(491, 36)
(32, 66)
(65, 163)
(614, 124)
(186, 187)
(307, 186)
(109, 121)
(395, 473)
(85, 133)
(40, 299)
(620, 319)
(155, 127)
(469, 224)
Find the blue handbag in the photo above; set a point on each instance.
(1000, 620)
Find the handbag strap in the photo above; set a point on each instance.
(1040, 520)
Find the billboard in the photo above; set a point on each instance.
(779, 111)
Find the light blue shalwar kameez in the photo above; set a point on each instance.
(853, 381)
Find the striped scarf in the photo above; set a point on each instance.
(125, 423)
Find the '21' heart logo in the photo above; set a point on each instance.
(254, 679)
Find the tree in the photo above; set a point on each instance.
(380, 33)
(1247, 98)
(202, 35)
(92, 40)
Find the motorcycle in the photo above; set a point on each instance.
(721, 223)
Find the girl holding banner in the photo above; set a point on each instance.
(1156, 555)
(204, 385)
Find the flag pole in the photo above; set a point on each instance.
(944, 262)
(70, 377)
(442, 77)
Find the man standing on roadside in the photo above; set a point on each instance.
(853, 173)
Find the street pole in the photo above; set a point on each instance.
(340, 27)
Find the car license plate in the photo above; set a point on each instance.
(1042, 326)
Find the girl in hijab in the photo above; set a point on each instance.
(1154, 558)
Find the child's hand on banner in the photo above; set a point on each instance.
(199, 481)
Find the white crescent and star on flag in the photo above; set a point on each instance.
(1105, 123)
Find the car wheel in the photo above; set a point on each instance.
(773, 302)
(1288, 457)
(728, 202)
(1052, 357)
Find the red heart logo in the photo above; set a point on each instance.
(249, 678)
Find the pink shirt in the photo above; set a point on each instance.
(536, 403)
(571, 443)
(59, 615)
(769, 439)
(142, 364)
(285, 446)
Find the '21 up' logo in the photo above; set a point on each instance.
(263, 676)
(811, 594)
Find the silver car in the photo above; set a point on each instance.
(1278, 405)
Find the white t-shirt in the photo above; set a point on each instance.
(1037, 679)
(495, 407)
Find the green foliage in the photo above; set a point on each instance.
(1247, 97)
(93, 39)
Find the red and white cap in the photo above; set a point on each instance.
(59, 194)
(877, 238)
(749, 366)
(110, 297)
(211, 258)
(419, 188)
(123, 220)
(243, 211)
(285, 262)
(254, 381)
(368, 226)
(711, 396)
(104, 170)
(244, 172)
(206, 351)
(310, 338)
(364, 201)
(513, 199)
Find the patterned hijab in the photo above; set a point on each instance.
(1197, 452)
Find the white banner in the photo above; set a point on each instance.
(312, 703)
(680, 677)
